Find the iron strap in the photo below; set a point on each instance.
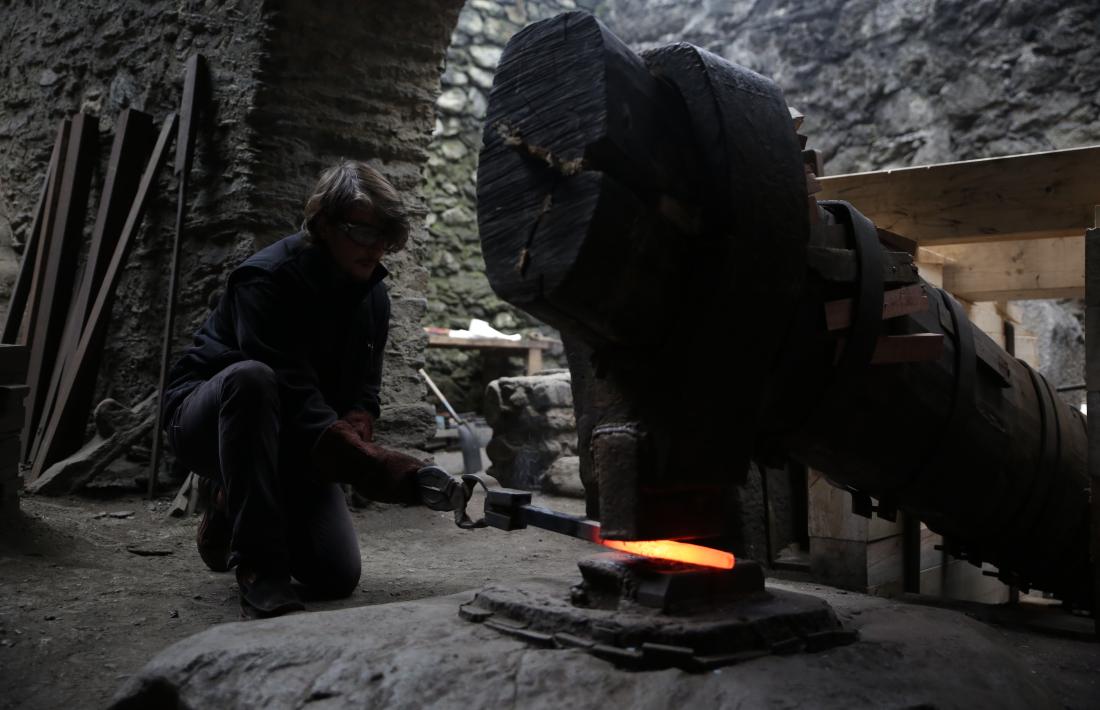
(867, 319)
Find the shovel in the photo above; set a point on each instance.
(467, 438)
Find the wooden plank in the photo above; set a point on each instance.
(129, 153)
(55, 287)
(899, 302)
(34, 297)
(22, 289)
(1092, 383)
(96, 328)
(1015, 271)
(1038, 195)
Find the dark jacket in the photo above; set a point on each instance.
(289, 307)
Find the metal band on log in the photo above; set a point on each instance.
(654, 209)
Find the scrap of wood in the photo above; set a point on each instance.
(1038, 195)
(898, 302)
(796, 117)
(73, 473)
(186, 500)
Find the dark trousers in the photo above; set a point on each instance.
(228, 429)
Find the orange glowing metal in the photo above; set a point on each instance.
(675, 551)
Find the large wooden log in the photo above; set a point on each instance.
(696, 326)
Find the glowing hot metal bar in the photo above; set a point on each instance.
(675, 551)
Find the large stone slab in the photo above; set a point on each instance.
(420, 653)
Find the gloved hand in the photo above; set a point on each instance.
(440, 490)
(362, 422)
(381, 474)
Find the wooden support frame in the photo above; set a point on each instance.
(91, 339)
(1016, 270)
(994, 231)
(1037, 195)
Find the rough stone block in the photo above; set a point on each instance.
(533, 425)
(564, 478)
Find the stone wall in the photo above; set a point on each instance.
(293, 88)
(458, 289)
(61, 58)
(895, 83)
(892, 83)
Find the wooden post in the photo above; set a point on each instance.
(534, 360)
(1092, 383)
(185, 149)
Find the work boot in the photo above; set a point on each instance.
(265, 594)
(214, 530)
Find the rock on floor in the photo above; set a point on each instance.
(419, 653)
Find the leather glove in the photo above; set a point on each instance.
(381, 474)
(362, 422)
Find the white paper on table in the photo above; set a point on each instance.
(481, 329)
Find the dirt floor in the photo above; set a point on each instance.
(91, 589)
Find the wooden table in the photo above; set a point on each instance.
(533, 348)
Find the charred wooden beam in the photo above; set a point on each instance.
(654, 209)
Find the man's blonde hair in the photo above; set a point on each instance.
(351, 183)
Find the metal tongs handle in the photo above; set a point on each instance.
(511, 509)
